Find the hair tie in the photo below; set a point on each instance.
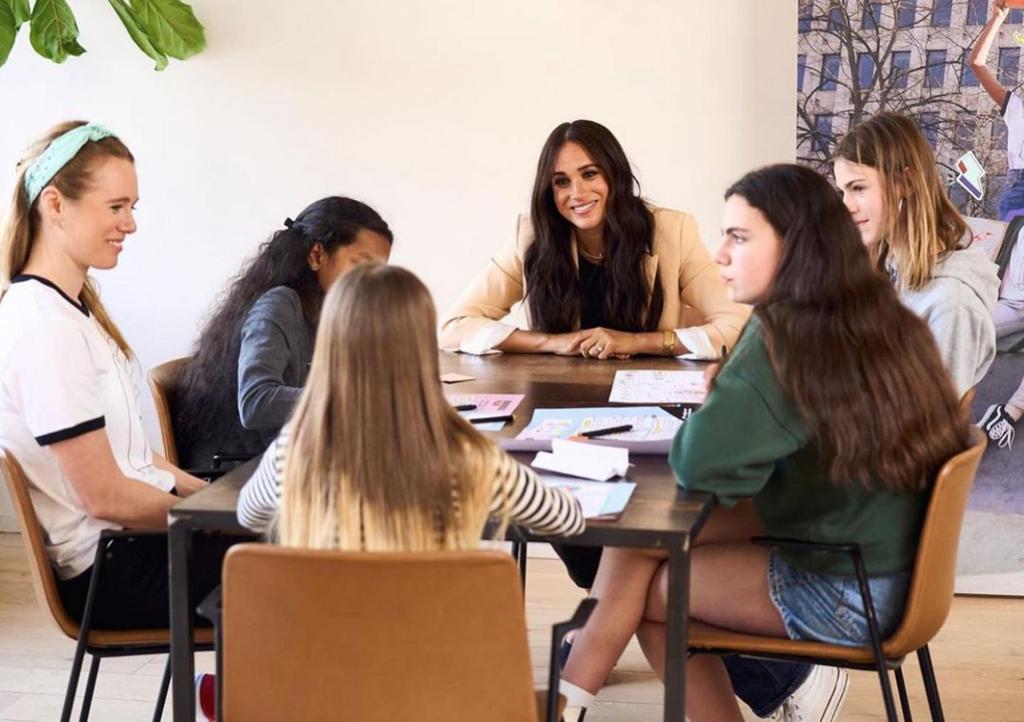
(288, 223)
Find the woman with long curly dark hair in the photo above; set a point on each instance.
(250, 361)
(834, 413)
(603, 274)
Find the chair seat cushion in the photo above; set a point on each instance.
(707, 636)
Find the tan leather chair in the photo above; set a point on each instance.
(376, 637)
(928, 599)
(162, 381)
(99, 644)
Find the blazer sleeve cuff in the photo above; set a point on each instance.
(699, 343)
(486, 338)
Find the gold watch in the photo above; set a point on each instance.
(668, 343)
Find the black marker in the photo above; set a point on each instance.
(465, 407)
(609, 430)
(489, 419)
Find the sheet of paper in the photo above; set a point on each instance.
(658, 387)
(583, 459)
(486, 405)
(454, 378)
(599, 500)
(650, 423)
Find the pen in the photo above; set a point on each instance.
(465, 407)
(489, 419)
(609, 430)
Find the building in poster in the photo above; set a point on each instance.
(857, 57)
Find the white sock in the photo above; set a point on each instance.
(575, 696)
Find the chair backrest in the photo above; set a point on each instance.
(162, 381)
(43, 579)
(968, 399)
(311, 634)
(931, 586)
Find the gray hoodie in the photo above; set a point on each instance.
(957, 306)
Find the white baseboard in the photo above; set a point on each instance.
(8, 524)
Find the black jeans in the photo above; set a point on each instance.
(133, 591)
(762, 684)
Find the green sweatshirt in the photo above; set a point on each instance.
(748, 440)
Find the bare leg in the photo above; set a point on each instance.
(622, 588)
(729, 589)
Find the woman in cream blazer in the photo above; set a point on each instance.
(606, 303)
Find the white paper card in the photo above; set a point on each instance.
(584, 460)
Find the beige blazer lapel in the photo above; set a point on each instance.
(651, 268)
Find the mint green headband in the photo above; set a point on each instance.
(57, 155)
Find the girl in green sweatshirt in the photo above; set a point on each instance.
(828, 423)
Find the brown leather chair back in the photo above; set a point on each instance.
(967, 399)
(162, 381)
(43, 579)
(931, 587)
(311, 634)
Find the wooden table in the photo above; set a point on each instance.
(659, 515)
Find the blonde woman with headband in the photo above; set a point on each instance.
(70, 385)
(335, 477)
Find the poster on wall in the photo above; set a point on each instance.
(954, 66)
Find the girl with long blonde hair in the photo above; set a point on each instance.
(890, 184)
(374, 457)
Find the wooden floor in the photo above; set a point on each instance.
(979, 658)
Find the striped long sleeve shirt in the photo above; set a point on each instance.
(531, 504)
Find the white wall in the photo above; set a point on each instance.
(433, 111)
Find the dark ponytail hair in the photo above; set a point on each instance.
(209, 383)
(551, 279)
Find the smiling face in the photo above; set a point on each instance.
(863, 195)
(91, 229)
(367, 247)
(750, 251)
(579, 188)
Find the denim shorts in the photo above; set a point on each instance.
(828, 607)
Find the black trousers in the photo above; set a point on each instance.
(581, 562)
(133, 591)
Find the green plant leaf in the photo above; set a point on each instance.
(138, 33)
(21, 11)
(8, 30)
(54, 32)
(171, 26)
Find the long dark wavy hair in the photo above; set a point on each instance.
(863, 370)
(552, 282)
(209, 383)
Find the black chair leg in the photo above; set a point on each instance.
(161, 698)
(90, 686)
(76, 672)
(931, 685)
(901, 686)
(519, 552)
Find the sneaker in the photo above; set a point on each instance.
(998, 426)
(206, 697)
(819, 698)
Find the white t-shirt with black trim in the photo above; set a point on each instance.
(61, 376)
(1013, 115)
